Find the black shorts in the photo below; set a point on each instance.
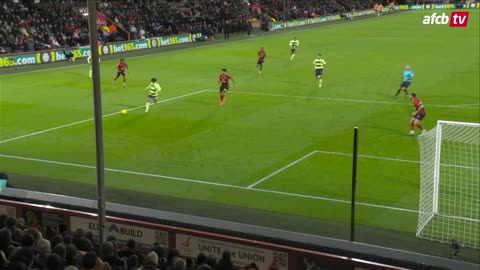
(294, 50)
(419, 116)
(318, 72)
(259, 63)
(405, 85)
(151, 96)
(121, 73)
(223, 89)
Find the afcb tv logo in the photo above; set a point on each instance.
(456, 19)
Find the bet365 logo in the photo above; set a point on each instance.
(456, 19)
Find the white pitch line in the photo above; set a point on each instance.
(281, 169)
(212, 183)
(91, 119)
(367, 156)
(336, 200)
(460, 106)
(346, 154)
(397, 159)
(461, 218)
(120, 171)
(324, 152)
(469, 105)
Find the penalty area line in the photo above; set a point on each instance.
(324, 152)
(281, 169)
(459, 106)
(91, 119)
(182, 179)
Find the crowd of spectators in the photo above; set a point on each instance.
(25, 248)
(293, 9)
(28, 26)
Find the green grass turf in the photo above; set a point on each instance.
(214, 153)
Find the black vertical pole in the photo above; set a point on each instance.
(97, 105)
(354, 184)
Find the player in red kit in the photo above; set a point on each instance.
(417, 116)
(261, 58)
(122, 68)
(223, 81)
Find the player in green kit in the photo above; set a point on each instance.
(318, 65)
(153, 89)
(293, 46)
(89, 60)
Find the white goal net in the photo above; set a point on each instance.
(449, 206)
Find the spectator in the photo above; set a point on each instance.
(107, 252)
(251, 266)
(132, 262)
(211, 261)
(27, 240)
(129, 250)
(89, 260)
(54, 262)
(84, 244)
(151, 261)
(55, 239)
(201, 259)
(60, 250)
(179, 264)
(225, 262)
(43, 251)
(70, 255)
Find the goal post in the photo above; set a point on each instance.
(449, 207)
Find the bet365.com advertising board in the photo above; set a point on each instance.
(45, 57)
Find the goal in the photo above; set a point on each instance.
(449, 207)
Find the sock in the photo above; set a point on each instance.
(223, 99)
(90, 73)
(411, 126)
(398, 92)
(155, 99)
(291, 58)
(420, 126)
(320, 82)
(147, 106)
(406, 92)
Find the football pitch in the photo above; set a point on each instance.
(280, 146)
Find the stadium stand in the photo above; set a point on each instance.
(26, 248)
(27, 26)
